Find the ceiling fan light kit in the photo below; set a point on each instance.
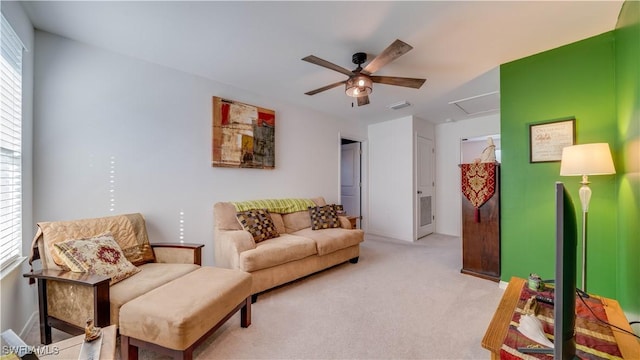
(359, 85)
(360, 82)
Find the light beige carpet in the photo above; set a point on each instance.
(401, 301)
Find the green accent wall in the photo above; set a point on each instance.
(627, 35)
(595, 81)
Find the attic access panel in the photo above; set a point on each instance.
(479, 104)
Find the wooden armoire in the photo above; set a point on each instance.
(481, 234)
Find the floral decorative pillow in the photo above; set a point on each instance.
(259, 223)
(100, 255)
(323, 217)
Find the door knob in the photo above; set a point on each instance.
(419, 192)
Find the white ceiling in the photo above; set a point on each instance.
(257, 46)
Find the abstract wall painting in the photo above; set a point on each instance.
(243, 135)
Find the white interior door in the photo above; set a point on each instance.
(350, 178)
(424, 187)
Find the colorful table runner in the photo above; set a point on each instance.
(594, 339)
(478, 184)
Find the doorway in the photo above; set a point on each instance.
(351, 178)
(424, 187)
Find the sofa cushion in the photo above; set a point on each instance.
(208, 295)
(98, 255)
(278, 222)
(258, 222)
(151, 276)
(141, 253)
(276, 251)
(319, 201)
(330, 240)
(296, 221)
(323, 217)
(225, 216)
(300, 219)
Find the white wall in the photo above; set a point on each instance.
(472, 148)
(448, 195)
(97, 112)
(392, 176)
(18, 299)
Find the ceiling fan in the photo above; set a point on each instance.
(360, 81)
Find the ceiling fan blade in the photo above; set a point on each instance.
(324, 63)
(363, 100)
(398, 81)
(331, 86)
(392, 52)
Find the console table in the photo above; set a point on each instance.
(498, 327)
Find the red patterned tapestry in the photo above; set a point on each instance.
(478, 183)
(594, 339)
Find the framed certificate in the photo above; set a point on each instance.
(547, 139)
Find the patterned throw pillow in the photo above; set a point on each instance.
(259, 223)
(99, 255)
(323, 217)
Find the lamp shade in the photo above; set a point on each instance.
(359, 85)
(587, 159)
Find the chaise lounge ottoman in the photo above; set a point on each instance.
(176, 317)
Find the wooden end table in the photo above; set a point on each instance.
(352, 220)
(499, 325)
(70, 348)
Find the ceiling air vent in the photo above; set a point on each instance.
(400, 105)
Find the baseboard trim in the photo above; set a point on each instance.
(33, 320)
(503, 284)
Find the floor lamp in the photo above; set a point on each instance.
(584, 160)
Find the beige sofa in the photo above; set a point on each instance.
(297, 252)
(67, 299)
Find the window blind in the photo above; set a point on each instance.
(10, 145)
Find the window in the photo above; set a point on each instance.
(10, 145)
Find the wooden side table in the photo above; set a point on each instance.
(353, 221)
(499, 325)
(70, 348)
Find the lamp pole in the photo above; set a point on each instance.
(585, 197)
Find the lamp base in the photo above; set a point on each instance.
(585, 193)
